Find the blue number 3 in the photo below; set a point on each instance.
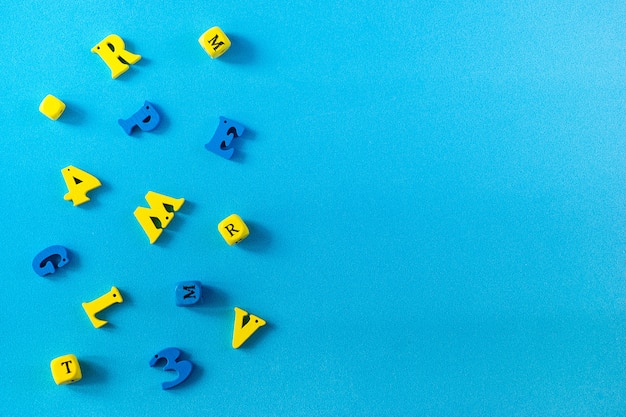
(182, 367)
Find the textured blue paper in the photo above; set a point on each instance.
(434, 191)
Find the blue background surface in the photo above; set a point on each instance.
(435, 193)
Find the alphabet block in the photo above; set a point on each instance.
(215, 42)
(161, 212)
(100, 303)
(112, 51)
(65, 370)
(52, 107)
(188, 293)
(220, 142)
(233, 229)
(146, 118)
(242, 332)
(78, 184)
(44, 262)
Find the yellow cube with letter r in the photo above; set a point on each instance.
(65, 369)
(215, 42)
(233, 229)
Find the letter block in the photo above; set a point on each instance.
(146, 118)
(112, 51)
(242, 332)
(188, 293)
(65, 370)
(78, 184)
(52, 107)
(105, 301)
(233, 229)
(220, 142)
(44, 262)
(215, 42)
(161, 212)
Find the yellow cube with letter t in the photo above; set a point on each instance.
(65, 370)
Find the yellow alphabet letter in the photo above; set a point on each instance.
(111, 50)
(78, 184)
(161, 211)
(94, 307)
(241, 333)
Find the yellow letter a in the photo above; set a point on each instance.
(111, 50)
(78, 184)
(161, 210)
(241, 333)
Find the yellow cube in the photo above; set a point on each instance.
(65, 370)
(233, 229)
(52, 107)
(215, 42)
